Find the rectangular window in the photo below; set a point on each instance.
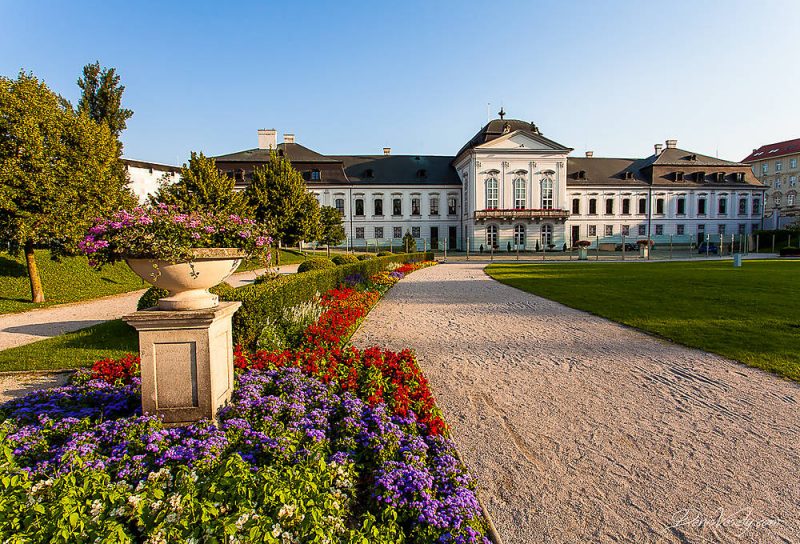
(793, 181)
(742, 206)
(777, 183)
(360, 233)
(642, 206)
(680, 230)
(701, 206)
(378, 232)
(681, 205)
(397, 206)
(339, 204)
(659, 230)
(721, 229)
(778, 166)
(642, 230)
(378, 206)
(742, 228)
(792, 163)
(765, 168)
(609, 230)
(519, 194)
(397, 232)
(659, 205)
(753, 228)
(592, 206)
(609, 207)
(576, 205)
(434, 206)
(415, 232)
(790, 200)
(451, 205)
(722, 206)
(626, 206)
(626, 230)
(415, 206)
(592, 230)
(359, 206)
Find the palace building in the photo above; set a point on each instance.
(509, 184)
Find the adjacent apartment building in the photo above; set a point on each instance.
(776, 167)
(510, 185)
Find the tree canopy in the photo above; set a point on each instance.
(202, 187)
(331, 230)
(59, 169)
(101, 97)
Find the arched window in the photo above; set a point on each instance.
(339, 204)
(547, 234)
(491, 193)
(547, 193)
(519, 236)
(491, 235)
(520, 197)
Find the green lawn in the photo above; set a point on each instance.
(750, 314)
(70, 280)
(74, 349)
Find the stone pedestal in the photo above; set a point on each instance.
(187, 361)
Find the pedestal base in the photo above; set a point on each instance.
(187, 361)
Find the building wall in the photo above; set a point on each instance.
(781, 175)
(144, 180)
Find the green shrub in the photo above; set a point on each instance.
(150, 298)
(265, 303)
(365, 257)
(790, 251)
(385, 253)
(347, 258)
(316, 263)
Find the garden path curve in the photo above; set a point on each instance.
(579, 429)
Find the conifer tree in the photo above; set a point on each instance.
(101, 97)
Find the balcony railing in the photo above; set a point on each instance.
(550, 213)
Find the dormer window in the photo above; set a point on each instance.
(740, 177)
(720, 177)
(581, 174)
(692, 157)
(315, 175)
(678, 176)
(422, 173)
(700, 177)
(627, 175)
(369, 173)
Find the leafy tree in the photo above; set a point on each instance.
(331, 229)
(101, 97)
(202, 187)
(409, 243)
(58, 170)
(279, 197)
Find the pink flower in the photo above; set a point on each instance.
(245, 234)
(209, 229)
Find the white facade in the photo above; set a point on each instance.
(145, 177)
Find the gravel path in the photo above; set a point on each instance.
(582, 430)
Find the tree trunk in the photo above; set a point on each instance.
(278, 254)
(328, 250)
(37, 292)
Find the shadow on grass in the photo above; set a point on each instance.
(12, 268)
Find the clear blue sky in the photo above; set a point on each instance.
(345, 77)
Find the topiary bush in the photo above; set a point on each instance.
(347, 258)
(385, 253)
(316, 263)
(365, 257)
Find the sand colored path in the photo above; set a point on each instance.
(582, 430)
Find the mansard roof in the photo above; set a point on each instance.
(400, 169)
(770, 151)
(293, 151)
(499, 127)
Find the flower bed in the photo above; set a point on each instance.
(320, 443)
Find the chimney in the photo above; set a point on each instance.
(288, 138)
(589, 154)
(387, 150)
(267, 138)
(658, 149)
(672, 144)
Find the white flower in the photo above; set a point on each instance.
(277, 530)
(171, 517)
(97, 508)
(287, 511)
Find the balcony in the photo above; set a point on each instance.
(528, 214)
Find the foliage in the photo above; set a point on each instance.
(203, 188)
(101, 97)
(59, 169)
(409, 243)
(790, 251)
(385, 253)
(345, 258)
(583, 243)
(365, 257)
(68, 279)
(748, 313)
(280, 199)
(316, 263)
(331, 229)
(165, 233)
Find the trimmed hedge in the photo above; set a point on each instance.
(365, 257)
(789, 251)
(267, 300)
(340, 260)
(385, 253)
(316, 263)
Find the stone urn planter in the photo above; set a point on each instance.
(188, 282)
(644, 251)
(583, 253)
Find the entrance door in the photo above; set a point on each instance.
(576, 234)
(452, 238)
(434, 237)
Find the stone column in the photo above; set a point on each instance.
(187, 361)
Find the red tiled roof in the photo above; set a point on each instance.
(766, 152)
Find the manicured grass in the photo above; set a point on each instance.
(749, 314)
(70, 280)
(74, 349)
